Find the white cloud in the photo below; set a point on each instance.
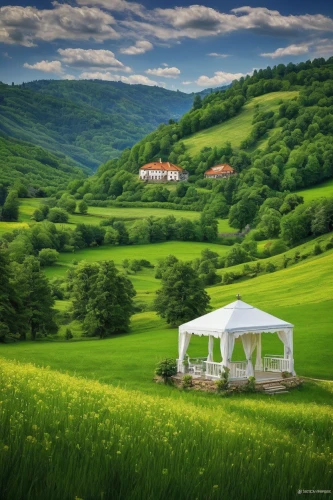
(165, 65)
(134, 79)
(140, 47)
(216, 54)
(187, 83)
(324, 47)
(168, 72)
(6, 55)
(26, 25)
(219, 78)
(291, 50)
(92, 58)
(68, 77)
(197, 20)
(46, 66)
(115, 5)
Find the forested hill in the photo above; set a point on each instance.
(89, 121)
(288, 146)
(34, 171)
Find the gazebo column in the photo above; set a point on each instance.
(258, 355)
(210, 348)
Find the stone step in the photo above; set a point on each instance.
(276, 392)
(275, 389)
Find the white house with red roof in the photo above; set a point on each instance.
(220, 171)
(162, 171)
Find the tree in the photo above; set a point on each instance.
(10, 210)
(102, 298)
(57, 215)
(8, 300)
(36, 297)
(197, 102)
(182, 296)
(48, 256)
(242, 213)
(83, 207)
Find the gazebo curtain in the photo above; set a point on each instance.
(227, 347)
(210, 348)
(249, 341)
(184, 340)
(287, 339)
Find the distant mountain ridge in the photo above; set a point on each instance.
(89, 121)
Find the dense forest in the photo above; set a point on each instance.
(36, 170)
(89, 121)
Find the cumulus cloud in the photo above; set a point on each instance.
(133, 79)
(167, 72)
(140, 47)
(216, 54)
(291, 50)
(197, 20)
(26, 25)
(46, 66)
(219, 78)
(92, 58)
(115, 5)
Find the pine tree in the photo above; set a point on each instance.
(10, 210)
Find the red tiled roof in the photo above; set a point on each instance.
(164, 166)
(220, 169)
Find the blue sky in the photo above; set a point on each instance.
(173, 44)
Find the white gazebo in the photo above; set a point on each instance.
(235, 320)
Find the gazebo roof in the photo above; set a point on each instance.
(236, 318)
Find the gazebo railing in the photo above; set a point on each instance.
(276, 364)
(237, 369)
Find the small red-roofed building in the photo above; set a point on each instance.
(220, 172)
(162, 171)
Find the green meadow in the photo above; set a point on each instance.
(236, 129)
(124, 436)
(320, 191)
(96, 214)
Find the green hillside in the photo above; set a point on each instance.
(320, 191)
(35, 167)
(236, 129)
(90, 121)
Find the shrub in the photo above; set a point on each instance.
(329, 244)
(270, 267)
(68, 334)
(223, 383)
(317, 249)
(286, 374)
(250, 386)
(187, 381)
(166, 369)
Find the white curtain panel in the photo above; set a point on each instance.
(249, 341)
(183, 343)
(210, 348)
(224, 347)
(287, 338)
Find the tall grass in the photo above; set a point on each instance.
(64, 438)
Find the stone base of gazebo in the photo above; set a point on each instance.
(263, 381)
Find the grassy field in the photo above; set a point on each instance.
(144, 282)
(236, 129)
(78, 439)
(125, 437)
(97, 214)
(320, 191)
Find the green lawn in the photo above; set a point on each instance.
(236, 129)
(320, 191)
